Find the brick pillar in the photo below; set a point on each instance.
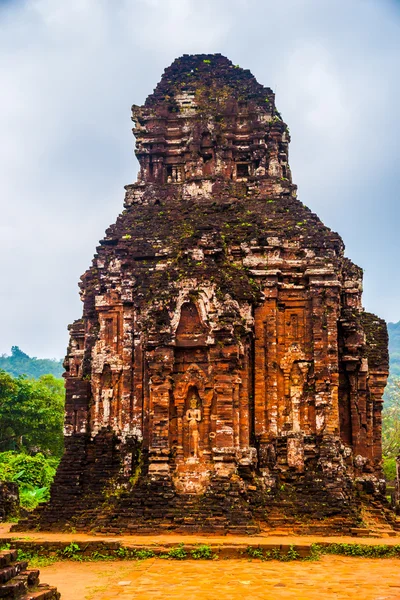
(244, 399)
(224, 449)
(137, 404)
(377, 383)
(324, 293)
(265, 364)
(179, 411)
(159, 427)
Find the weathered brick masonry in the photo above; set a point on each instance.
(17, 582)
(224, 371)
(9, 500)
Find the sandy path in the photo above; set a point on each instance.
(332, 577)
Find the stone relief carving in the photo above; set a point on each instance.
(295, 369)
(193, 416)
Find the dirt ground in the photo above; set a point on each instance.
(331, 577)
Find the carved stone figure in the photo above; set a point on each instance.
(193, 416)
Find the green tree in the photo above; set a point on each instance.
(31, 414)
(391, 427)
(33, 474)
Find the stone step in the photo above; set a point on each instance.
(8, 573)
(33, 576)
(42, 592)
(17, 582)
(14, 588)
(277, 532)
(7, 557)
(360, 531)
(384, 532)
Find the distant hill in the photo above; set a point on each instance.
(394, 348)
(20, 363)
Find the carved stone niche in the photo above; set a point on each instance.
(242, 170)
(191, 420)
(295, 451)
(191, 429)
(190, 332)
(174, 173)
(106, 394)
(295, 370)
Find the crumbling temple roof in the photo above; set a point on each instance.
(210, 74)
(203, 110)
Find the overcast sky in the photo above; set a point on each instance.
(70, 71)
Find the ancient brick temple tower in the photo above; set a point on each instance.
(224, 372)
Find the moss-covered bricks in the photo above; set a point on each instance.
(224, 372)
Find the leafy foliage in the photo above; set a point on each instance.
(391, 420)
(33, 474)
(142, 554)
(30, 496)
(36, 558)
(391, 406)
(177, 553)
(31, 414)
(389, 468)
(203, 552)
(72, 551)
(20, 363)
(31, 434)
(394, 348)
(37, 471)
(274, 554)
(362, 550)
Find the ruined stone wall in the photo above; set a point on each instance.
(223, 352)
(9, 500)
